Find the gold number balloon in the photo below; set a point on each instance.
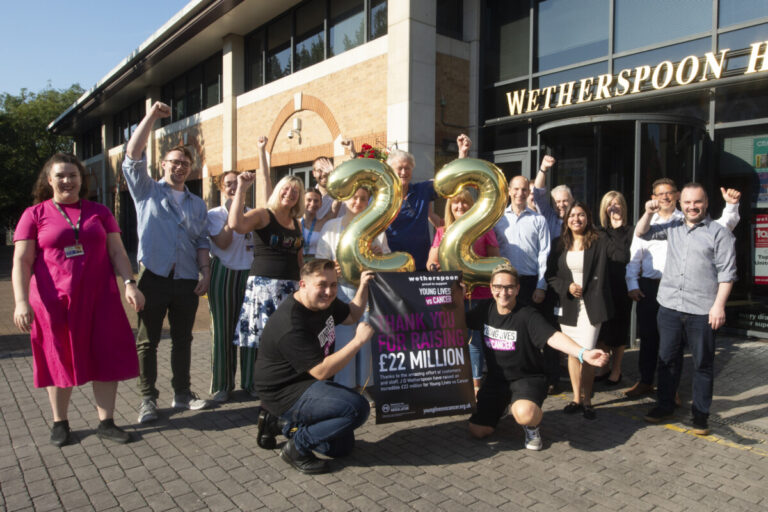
(456, 251)
(354, 250)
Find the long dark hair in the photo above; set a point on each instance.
(590, 232)
(43, 191)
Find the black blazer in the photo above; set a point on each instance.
(596, 288)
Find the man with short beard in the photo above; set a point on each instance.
(698, 277)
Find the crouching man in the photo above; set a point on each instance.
(514, 336)
(295, 367)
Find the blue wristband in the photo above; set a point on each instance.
(581, 354)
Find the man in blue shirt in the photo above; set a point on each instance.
(173, 249)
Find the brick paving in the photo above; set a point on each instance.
(209, 460)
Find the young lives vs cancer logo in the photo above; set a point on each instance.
(434, 293)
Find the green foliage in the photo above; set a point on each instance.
(25, 144)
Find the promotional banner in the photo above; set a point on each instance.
(760, 261)
(420, 347)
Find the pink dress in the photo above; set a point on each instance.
(481, 249)
(80, 332)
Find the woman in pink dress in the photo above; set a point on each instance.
(486, 245)
(67, 251)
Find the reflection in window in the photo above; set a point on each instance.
(741, 39)
(310, 35)
(567, 35)
(639, 24)
(347, 25)
(377, 20)
(674, 53)
(737, 11)
(125, 122)
(279, 45)
(507, 43)
(254, 60)
(745, 103)
(212, 82)
(196, 89)
(575, 74)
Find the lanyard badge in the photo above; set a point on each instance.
(73, 251)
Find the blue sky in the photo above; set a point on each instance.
(72, 41)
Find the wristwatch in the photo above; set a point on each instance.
(130, 281)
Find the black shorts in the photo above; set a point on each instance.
(496, 394)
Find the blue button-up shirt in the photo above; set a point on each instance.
(554, 222)
(699, 257)
(524, 241)
(169, 233)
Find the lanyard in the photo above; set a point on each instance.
(75, 227)
(311, 229)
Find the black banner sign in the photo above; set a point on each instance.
(420, 347)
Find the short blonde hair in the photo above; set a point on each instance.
(605, 201)
(505, 268)
(297, 210)
(465, 195)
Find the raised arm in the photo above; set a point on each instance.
(541, 177)
(730, 217)
(263, 178)
(239, 220)
(138, 142)
(465, 144)
(644, 224)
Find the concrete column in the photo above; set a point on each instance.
(411, 81)
(153, 95)
(233, 84)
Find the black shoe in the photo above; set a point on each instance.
(609, 382)
(267, 428)
(108, 430)
(307, 464)
(589, 412)
(657, 415)
(60, 433)
(573, 408)
(700, 424)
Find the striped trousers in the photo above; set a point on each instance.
(225, 297)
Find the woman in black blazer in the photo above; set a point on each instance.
(577, 271)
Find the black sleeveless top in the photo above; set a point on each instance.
(275, 252)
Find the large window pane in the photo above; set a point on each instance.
(212, 81)
(377, 21)
(194, 86)
(310, 35)
(570, 32)
(741, 39)
(732, 12)
(347, 25)
(647, 22)
(450, 18)
(575, 74)
(507, 41)
(674, 53)
(254, 60)
(279, 44)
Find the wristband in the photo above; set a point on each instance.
(543, 170)
(581, 355)
(130, 281)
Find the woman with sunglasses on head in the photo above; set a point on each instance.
(577, 270)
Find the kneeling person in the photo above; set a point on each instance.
(296, 364)
(514, 336)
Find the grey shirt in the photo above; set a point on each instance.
(698, 259)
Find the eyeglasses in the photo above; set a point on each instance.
(179, 163)
(498, 288)
(668, 194)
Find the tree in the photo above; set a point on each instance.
(25, 144)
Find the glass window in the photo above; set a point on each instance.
(212, 81)
(738, 11)
(347, 25)
(310, 35)
(279, 44)
(566, 35)
(179, 106)
(674, 53)
(745, 103)
(639, 24)
(741, 39)
(450, 18)
(574, 74)
(507, 42)
(495, 102)
(254, 60)
(194, 93)
(377, 20)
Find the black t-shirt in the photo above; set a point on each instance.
(275, 250)
(294, 341)
(512, 343)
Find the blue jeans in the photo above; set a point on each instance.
(476, 357)
(326, 416)
(675, 328)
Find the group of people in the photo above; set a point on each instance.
(278, 299)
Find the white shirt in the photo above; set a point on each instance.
(329, 240)
(239, 254)
(648, 257)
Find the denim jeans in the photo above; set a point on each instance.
(326, 416)
(675, 328)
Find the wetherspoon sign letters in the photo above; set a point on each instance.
(631, 81)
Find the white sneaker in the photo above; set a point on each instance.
(532, 438)
(220, 396)
(148, 410)
(190, 400)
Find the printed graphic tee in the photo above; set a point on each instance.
(512, 343)
(295, 340)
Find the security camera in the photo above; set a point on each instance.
(290, 134)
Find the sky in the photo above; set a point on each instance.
(63, 42)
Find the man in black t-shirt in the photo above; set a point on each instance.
(513, 339)
(296, 363)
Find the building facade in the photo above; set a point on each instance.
(621, 92)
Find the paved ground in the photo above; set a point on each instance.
(209, 460)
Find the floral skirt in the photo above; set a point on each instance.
(262, 297)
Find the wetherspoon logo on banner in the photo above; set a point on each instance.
(631, 81)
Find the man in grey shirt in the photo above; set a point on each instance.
(698, 277)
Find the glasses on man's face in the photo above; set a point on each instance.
(667, 194)
(179, 163)
(498, 288)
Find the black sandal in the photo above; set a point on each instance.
(589, 412)
(573, 408)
